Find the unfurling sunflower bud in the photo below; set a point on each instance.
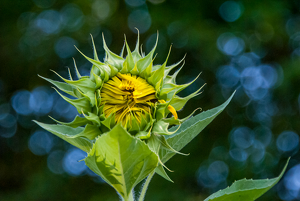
(124, 108)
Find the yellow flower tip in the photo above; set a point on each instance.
(170, 108)
(129, 96)
(173, 111)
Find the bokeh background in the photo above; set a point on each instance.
(249, 46)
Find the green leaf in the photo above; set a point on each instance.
(67, 133)
(121, 160)
(246, 190)
(190, 129)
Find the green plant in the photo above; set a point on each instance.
(124, 122)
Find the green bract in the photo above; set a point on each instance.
(123, 154)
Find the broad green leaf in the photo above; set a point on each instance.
(66, 133)
(190, 129)
(246, 190)
(121, 160)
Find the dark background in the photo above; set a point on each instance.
(249, 46)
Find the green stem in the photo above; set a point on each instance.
(145, 186)
(130, 198)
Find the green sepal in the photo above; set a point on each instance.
(155, 145)
(70, 75)
(146, 121)
(93, 118)
(122, 51)
(136, 53)
(109, 122)
(246, 189)
(111, 159)
(161, 171)
(156, 67)
(81, 104)
(94, 71)
(156, 79)
(133, 126)
(129, 58)
(164, 144)
(161, 128)
(90, 95)
(179, 102)
(168, 89)
(173, 121)
(125, 67)
(78, 121)
(144, 63)
(64, 87)
(90, 132)
(84, 84)
(135, 70)
(113, 70)
(158, 75)
(172, 78)
(104, 68)
(76, 69)
(143, 135)
(98, 80)
(94, 48)
(66, 133)
(169, 68)
(161, 111)
(111, 57)
(147, 71)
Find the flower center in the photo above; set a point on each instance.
(128, 96)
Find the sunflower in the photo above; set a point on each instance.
(126, 106)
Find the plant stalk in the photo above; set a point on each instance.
(130, 198)
(145, 187)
